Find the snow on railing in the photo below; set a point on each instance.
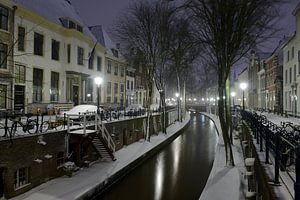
(104, 133)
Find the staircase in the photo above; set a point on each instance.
(103, 142)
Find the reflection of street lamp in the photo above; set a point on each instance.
(233, 95)
(243, 86)
(177, 96)
(98, 81)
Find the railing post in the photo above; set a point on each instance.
(297, 183)
(84, 123)
(262, 129)
(5, 125)
(64, 120)
(277, 157)
(267, 143)
(96, 122)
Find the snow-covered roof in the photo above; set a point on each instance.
(53, 10)
(104, 39)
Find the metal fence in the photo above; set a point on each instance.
(282, 141)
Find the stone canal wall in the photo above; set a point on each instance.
(29, 160)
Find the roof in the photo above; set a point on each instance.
(53, 10)
(103, 38)
(296, 9)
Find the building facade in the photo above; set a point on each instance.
(131, 98)
(57, 58)
(291, 69)
(7, 10)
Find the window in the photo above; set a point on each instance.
(20, 74)
(91, 60)
(116, 93)
(38, 44)
(80, 52)
(122, 88)
(122, 71)
(55, 50)
(116, 69)
(21, 38)
(99, 66)
(54, 92)
(3, 18)
(69, 53)
(293, 52)
(286, 76)
(131, 85)
(108, 92)
(290, 74)
(108, 66)
(3, 96)
(72, 25)
(295, 72)
(3, 56)
(79, 28)
(37, 85)
(89, 90)
(60, 158)
(288, 55)
(127, 84)
(21, 177)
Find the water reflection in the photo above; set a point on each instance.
(178, 172)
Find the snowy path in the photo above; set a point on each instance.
(87, 179)
(224, 182)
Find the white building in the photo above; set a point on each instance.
(57, 56)
(291, 69)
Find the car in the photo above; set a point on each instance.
(81, 109)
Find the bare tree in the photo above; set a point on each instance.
(229, 29)
(146, 27)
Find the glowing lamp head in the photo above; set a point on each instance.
(98, 81)
(243, 86)
(177, 94)
(233, 94)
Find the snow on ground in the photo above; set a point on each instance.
(65, 188)
(224, 182)
(277, 119)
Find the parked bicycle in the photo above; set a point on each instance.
(58, 124)
(29, 126)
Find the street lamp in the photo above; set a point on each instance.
(233, 95)
(243, 86)
(98, 81)
(177, 96)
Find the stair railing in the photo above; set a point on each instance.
(104, 133)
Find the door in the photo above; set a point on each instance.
(75, 95)
(1, 182)
(19, 101)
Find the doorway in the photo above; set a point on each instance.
(19, 101)
(75, 95)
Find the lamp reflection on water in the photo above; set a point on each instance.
(159, 178)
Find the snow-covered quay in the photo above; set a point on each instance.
(89, 180)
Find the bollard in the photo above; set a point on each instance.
(297, 183)
(277, 158)
(267, 144)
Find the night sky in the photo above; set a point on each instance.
(106, 12)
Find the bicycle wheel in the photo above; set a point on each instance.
(31, 126)
(2, 130)
(44, 127)
(59, 125)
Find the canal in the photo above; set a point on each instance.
(177, 172)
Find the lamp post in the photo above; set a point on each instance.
(233, 95)
(243, 86)
(177, 96)
(98, 81)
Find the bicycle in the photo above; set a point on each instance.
(58, 124)
(30, 126)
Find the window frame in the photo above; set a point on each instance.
(37, 49)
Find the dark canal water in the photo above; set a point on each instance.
(178, 172)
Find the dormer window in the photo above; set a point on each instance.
(115, 52)
(67, 23)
